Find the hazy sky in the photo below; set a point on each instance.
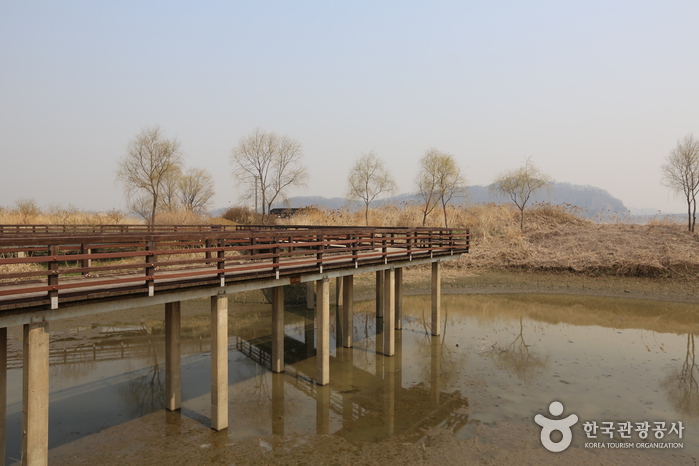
(596, 92)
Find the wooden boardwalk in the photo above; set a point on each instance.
(54, 272)
(48, 269)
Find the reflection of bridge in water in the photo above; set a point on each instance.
(366, 400)
(370, 406)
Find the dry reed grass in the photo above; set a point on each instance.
(555, 238)
(60, 216)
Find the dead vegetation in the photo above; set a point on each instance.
(555, 238)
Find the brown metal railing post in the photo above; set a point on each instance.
(253, 242)
(275, 258)
(85, 249)
(319, 255)
(209, 254)
(221, 264)
(354, 244)
(53, 275)
(150, 269)
(384, 248)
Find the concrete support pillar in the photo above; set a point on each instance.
(278, 329)
(389, 331)
(3, 392)
(173, 357)
(219, 362)
(379, 294)
(399, 298)
(339, 328)
(310, 295)
(347, 310)
(35, 394)
(323, 332)
(436, 298)
(338, 291)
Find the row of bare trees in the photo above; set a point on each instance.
(155, 179)
(267, 164)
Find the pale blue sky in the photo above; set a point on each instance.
(596, 92)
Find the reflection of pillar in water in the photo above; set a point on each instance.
(323, 410)
(278, 329)
(346, 356)
(3, 390)
(436, 297)
(347, 310)
(379, 357)
(399, 359)
(436, 368)
(35, 394)
(323, 332)
(172, 423)
(219, 362)
(173, 357)
(390, 395)
(278, 404)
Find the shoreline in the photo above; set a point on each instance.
(457, 280)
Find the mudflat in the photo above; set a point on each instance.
(182, 438)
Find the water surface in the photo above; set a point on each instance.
(500, 359)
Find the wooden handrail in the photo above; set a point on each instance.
(80, 262)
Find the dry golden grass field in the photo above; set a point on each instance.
(556, 239)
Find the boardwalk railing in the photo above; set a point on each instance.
(42, 264)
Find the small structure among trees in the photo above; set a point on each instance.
(267, 164)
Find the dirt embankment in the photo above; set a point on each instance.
(556, 240)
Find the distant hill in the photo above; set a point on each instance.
(592, 201)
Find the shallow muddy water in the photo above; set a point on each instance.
(501, 359)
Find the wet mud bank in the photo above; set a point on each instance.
(610, 351)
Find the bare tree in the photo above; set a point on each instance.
(367, 179)
(196, 190)
(149, 161)
(268, 164)
(142, 206)
(519, 184)
(439, 181)
(681, 174)
(27, 209)
(169, 200)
